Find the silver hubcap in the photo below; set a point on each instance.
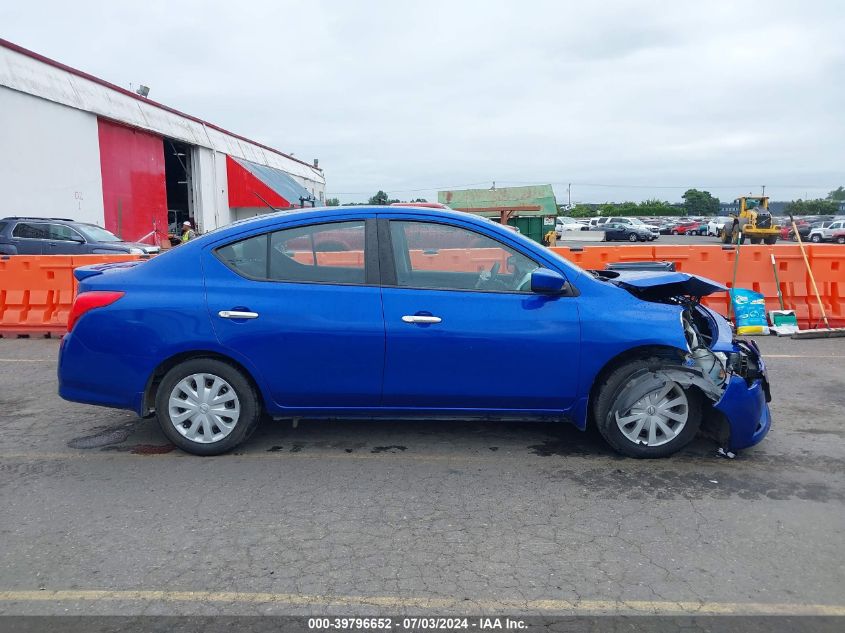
(204, 408)
(657, 417)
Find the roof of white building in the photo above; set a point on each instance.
(26, 71)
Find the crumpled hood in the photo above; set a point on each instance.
(656, 285)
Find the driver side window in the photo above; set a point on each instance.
(445, 257)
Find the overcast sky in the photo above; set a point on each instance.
(642, 98)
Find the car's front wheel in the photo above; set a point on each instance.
(643, 415)
(206, 406)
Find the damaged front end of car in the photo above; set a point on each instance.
(729, 372)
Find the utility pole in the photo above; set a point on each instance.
(764, 190)
(569, 195)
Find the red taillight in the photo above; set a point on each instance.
(90, 300)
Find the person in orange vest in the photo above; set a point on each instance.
(188, 232)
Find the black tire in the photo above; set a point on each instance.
(771, 240)
(756, 240)
(674, 233)
(632, 237)
(250, 405)
(608, 398)
(815, 238)
(840, 240)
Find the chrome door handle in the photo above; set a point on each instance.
(419, 318)
(237, 314)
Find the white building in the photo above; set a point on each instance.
(75, 146)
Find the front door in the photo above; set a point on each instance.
(303, 307)
(464, 330)
(64, 240)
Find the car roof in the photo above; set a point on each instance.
(28, 217)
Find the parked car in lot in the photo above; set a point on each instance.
(633, 222)
(838, 236)
(616, 231)
(361, 311)
(563, 224)
(715, 225)
(824, 233)
(61, 236)
(804, 229)
(689, 228)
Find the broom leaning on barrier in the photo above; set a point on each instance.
(827, 331)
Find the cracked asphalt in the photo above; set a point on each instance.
(99, 515)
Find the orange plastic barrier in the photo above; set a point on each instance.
(754, 271)
(36, 292)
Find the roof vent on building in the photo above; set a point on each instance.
(143, 90)
(317, 163)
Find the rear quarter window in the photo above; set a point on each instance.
(321, 253)
(31, 230)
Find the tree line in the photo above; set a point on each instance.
(701, 203)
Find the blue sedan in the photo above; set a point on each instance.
(405, 313)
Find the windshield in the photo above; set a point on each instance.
(637, 221)
(96, 233)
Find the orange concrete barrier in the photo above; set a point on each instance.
(754, 271)
(36, 292)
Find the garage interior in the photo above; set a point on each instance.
(177, 171)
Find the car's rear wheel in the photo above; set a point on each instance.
(645, 416)
(206, 406)
(632, 237)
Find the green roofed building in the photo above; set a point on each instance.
(531, 209)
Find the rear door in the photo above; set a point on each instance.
(302, 306)
(29, 238)
(464, 331)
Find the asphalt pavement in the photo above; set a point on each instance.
(100, 515)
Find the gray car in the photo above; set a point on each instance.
(62, 236)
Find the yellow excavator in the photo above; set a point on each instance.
(752, 222)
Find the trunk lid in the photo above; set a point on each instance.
(85, 272)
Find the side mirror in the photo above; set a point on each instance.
(547, 282)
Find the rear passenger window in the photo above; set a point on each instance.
(31, 231)
(322, 253)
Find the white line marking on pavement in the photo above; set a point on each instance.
(577, 606)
